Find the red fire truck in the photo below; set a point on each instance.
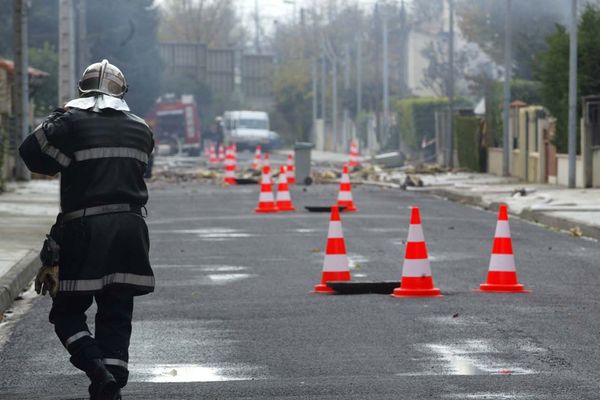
(176, 125)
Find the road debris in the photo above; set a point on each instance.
(576, 231)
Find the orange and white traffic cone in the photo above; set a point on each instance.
(335, 265)
(416, 270)
(345, 194)
(291, 175)
(229, 178)
(212, 157)
(266, 161)
(257, 155)
(502, 273)
(353, 155)
(266, 202)
(221, 153)
(234, 154)
(283, 200)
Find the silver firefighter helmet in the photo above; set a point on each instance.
(103, 77)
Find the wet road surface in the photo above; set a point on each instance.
(233, 317)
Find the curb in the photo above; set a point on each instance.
(539, 217)
(17, 278)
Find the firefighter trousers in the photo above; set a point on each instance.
(112, 329)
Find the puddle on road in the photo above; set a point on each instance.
(489, 396)
(306, 230)
(356, 261)
(436, 257)
(386, 230)
(208, 274)
(472, 357)
(179, 373)
(207, 268)
(223, 279)
(210, 234)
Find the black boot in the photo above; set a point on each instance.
(104, 386)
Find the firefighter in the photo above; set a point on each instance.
(98, 248)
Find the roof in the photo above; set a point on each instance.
(9, 66)
(246, 114)
(518, 104)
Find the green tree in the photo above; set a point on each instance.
(552, 69)
(45, 95)
(482, 22)
(293, 112)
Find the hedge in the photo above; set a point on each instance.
(3, 149)
(416, 119)
(467, 136)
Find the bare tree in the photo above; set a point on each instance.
(213, 22)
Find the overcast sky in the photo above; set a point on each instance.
(281, 9)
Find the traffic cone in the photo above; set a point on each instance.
(502, 273)
(256, 162)
(212, 157)
(234, 154)
(229, 178)
(221, 153)
(335, 264)
(266, 161)
(353, 155)
(283, 200)
(345, 194)
(266, 203)
(291, 176)
(416, 271)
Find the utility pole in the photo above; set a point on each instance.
(315, 94)
(334, 105)
(450, 141)
(66, 52)
(21, 82)
(573, 96)
(256, 28)
(323, 88)
(333, 59)
(359, 74)
(386, 94)
(346, 123)
(506, 146)
(83, 54)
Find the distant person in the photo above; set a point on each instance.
(98, 248)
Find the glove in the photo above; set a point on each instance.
(46, 281)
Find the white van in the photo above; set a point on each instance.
(248, 129)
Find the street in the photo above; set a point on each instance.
(233, 316)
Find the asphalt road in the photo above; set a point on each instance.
(233, 317)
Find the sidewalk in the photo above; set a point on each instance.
(575, 210)
(27, 210)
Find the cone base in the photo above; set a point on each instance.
(433, 292)
(500, 288)
(231, 181)
(347, 207)
(323, 289)
(284, 209)
(266, 210)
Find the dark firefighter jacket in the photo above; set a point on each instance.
(102, 157)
